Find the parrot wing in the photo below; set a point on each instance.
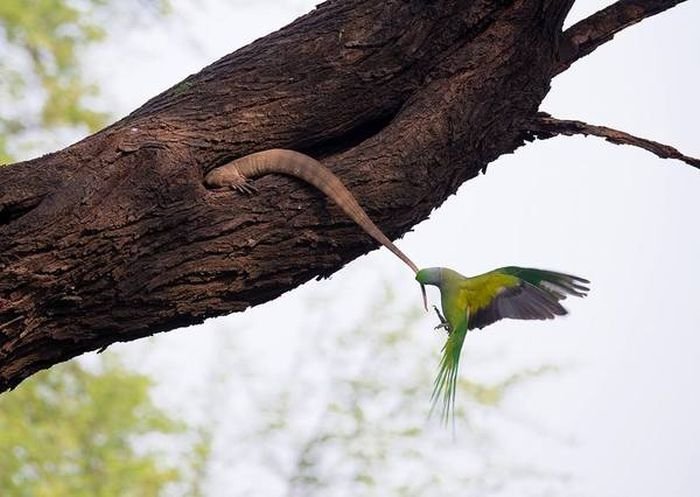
(445, 385)
(520, 293)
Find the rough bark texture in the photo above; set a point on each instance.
(590, 33)
(116, 238)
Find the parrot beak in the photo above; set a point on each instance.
(425, 297)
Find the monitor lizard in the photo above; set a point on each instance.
(235, 175)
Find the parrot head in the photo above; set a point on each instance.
(428, 276)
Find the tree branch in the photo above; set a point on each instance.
(545, 126)
(116, 237)
(585, 36)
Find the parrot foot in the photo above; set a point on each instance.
(443, 322)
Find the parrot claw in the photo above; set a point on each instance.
(443, 325)
(443, 322)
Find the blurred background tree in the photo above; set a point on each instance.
(43, 87)
(78, 432)
(347, 413)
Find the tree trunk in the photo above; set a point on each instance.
(116, 237)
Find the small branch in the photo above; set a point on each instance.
(588, 34)
(545, 126)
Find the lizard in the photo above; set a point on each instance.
(236, 174)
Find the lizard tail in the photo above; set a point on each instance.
(291, 163)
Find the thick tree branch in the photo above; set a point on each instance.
(545, 126)
(116, 237)
(588, 34)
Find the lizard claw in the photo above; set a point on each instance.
(245, 187)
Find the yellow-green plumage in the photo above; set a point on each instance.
(468, 303)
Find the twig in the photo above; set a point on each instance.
(545, 126)
(588, 34)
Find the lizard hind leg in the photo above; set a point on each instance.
(228, 176)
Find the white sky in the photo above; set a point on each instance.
(627, 403)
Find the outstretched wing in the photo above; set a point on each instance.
(521, 293)
(445, 385)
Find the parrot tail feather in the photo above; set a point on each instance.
(445, 386)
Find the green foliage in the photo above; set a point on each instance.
(70, 431)
(42, 80)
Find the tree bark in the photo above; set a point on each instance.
(115, 237)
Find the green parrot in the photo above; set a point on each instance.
(468, 303)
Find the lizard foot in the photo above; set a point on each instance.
(244, 187)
